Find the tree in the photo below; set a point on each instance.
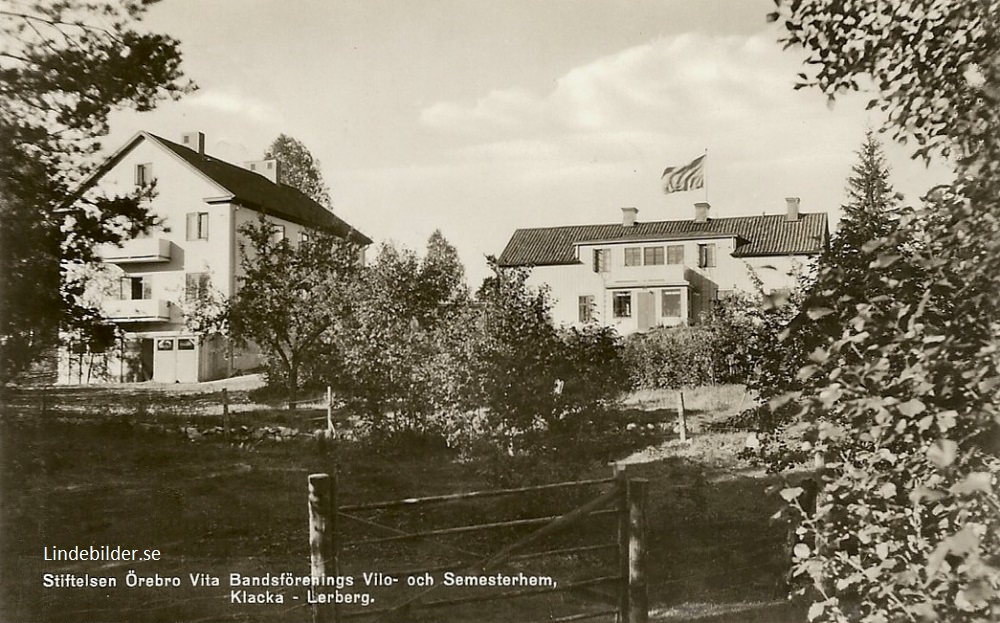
(546, 390)
(872, 212)
(444, 273)
(403, 352)
(827, 300)
(64, 67)
(517, 352)
(904, 401)
(299, 169)
(291, 300)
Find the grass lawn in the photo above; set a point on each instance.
(219, 508)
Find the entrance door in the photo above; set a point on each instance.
(145, 360)
(647, 310)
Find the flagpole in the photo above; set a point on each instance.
(706, 175)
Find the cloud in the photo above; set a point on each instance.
(682, 89)
(231, 103)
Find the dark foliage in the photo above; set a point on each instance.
(64, 67)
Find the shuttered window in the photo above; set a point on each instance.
(675, 254)
(143, 174)
(706, 255)
(135, 288)
(601, 260)
(633, 256)
(197, 226)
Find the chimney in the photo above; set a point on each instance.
(267, 168)
(701, 212)
(194, 141)
(793, 209)
(628, 216)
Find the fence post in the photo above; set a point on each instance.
(225, 413)
(637, 494)
(682, 424)
(618, 470)
(322, 518)
(329, 411)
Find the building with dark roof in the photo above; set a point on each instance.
(636, 275)
(150, 285)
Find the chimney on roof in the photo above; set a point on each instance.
(267, 168)
(792, 214)
(195, 141)
(701, 212)
(628, 216)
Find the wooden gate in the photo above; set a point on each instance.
(625, 498)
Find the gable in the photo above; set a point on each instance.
(225, 182)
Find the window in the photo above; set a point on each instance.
(303, 237)
(277, 233)
(706, 255)
(197, 226)
(623, 304)
(185, 343)
(164, 344)
(586, 308)
(600, 260)
(143, 174)
(633, 256)
(670, 303)
(195, 287)
(675, 254)
(135, 289)
(652, 256)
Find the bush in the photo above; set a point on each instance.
(670, 358)
(720, 350)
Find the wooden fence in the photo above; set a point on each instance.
(626, 498)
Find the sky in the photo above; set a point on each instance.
(481, 117)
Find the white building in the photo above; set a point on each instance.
(202, 202)
(635, 276)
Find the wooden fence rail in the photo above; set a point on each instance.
(627, 498)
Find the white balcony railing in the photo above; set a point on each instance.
(646, 276)
(138, 310)
(136, 251)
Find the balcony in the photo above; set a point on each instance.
(136, 251)
(647, 276)
(138, 310)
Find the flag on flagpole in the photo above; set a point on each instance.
(687, 177)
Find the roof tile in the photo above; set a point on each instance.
(256, 190)
(769, 234)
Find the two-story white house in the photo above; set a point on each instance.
(635, 276)
(151, 283)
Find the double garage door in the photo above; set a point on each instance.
(175, 360)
